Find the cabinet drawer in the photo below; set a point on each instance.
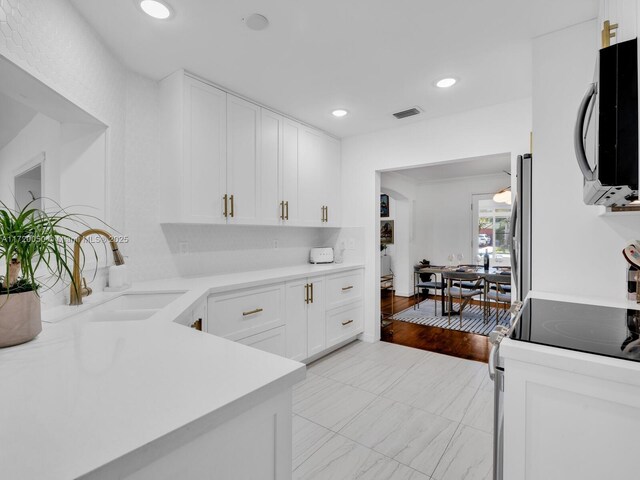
(344, 323)
(243, 313)
(272, 341)
(344, 288)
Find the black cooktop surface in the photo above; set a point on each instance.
(613, 332)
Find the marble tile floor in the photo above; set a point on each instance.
(383, 411)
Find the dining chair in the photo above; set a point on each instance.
(497, 289)
(420, 284)
(464, 295)
(467, 267)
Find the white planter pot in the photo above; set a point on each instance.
(20, 319)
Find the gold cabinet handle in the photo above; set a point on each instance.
(311, 300)
(322, 210)
(326, 214)
(225, 199)
(282, 210)
(344, 289)
(347, 322)
(286, 206)
(251, 312)
(306, 293)
(608, 33)
(231, 199)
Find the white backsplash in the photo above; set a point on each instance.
(219, 249)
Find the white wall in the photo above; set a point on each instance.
(575, 250)
(444, 219)
(40, 135)
(485, 131)
(402, 194)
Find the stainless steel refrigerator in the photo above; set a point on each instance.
(520, 237)
(521, 229)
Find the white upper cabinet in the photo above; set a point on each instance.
(624, 14)
(227, 160)
(319, 178)
(243, 163)
(332, 178)
(271, 206)
(193, 157)
(289, 178)
(311, 177)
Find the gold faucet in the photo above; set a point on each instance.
(77, 291)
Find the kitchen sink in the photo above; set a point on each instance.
(129, 307)
(140, 301)
(96, 315)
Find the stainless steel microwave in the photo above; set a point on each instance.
(606, 131)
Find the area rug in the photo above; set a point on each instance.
(472, 318)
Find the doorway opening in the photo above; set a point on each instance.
(439, 225)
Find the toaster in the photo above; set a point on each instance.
(321, 255)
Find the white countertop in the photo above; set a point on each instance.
(197, 288)
(84, 394)
(609, 368)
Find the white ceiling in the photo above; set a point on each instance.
(372, 57)
(468, 167)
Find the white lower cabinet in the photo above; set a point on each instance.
(344, 323)
(243, 313)
(196, 317)
(569, 415)
(199, 317)
(299, 319)
(255, 444)
(305, 312)
(272, 341)
(344, 288)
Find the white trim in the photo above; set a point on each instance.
(108, 210)
(37, 161)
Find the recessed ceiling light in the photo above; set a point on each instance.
(340, 112)
(446, 82)
(155, 9)
(255, 21)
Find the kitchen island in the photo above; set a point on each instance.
(101, 395)
(143, 400)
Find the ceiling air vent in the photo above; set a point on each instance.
(407, 113)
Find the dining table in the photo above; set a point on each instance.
(440, 269)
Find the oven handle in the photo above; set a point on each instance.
(578, 138)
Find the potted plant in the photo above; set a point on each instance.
(35, 247)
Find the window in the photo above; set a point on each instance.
(491, 230)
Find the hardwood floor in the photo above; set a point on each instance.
(434, 339)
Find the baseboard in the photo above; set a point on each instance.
(366, 337)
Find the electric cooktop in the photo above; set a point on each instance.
(608, 331)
